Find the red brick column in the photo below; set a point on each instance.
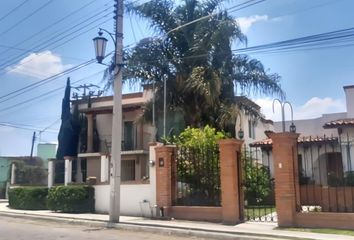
(165, 179)
(230, 186)
(286, 177)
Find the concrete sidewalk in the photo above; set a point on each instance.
(247, 230)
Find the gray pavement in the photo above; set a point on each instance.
(247, 230)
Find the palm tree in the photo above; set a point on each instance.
(197, 62)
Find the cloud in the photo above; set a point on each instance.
(313, 108)
(39, 65)
(246, 23)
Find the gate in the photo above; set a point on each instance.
(197, 176)
(257, 185)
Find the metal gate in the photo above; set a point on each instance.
(257, 184)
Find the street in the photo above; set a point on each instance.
(23, 229)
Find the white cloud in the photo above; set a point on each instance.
(39, 65)
(313, 108)
(246, 23)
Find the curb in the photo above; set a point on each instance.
(153, 228)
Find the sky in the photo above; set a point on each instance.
(41, 38)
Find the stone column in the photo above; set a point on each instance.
(68, 171)
(287, 197)
(165, 184)
(89, 133)
(231, 196)
(13, 174)
(104, 168)
(51, 171)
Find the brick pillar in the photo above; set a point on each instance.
(165, 179)
(286, 177)
(230, 186)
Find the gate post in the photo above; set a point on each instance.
(165, 179)
(231, 198)
(286, 177)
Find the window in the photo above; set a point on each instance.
(128, 138)
(252, 129)
(128, 170)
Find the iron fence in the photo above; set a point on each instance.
(326, 176)
(257, 185)
(198, 176)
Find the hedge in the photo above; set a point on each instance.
(28, 198)
(71, 199)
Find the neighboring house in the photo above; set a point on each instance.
(138, 189)
(325, 145)
(95, 145)
(253, 126)
(4, 175)
(136, 135)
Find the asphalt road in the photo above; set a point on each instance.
(23, 229)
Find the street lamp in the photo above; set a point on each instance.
(100, 46)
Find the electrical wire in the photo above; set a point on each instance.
(26, 17)
(47, 43)
(37, 34)
(13, 10)
(46, 80)
(47, 93)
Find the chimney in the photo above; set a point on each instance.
(349, 95)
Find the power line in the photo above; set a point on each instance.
(46, 94)
(42, 46)
(46, 80)
(27, 17)
(49, 26)
(13, 10)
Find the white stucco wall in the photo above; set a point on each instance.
(349, 95)
(260, 127)
(136, 199)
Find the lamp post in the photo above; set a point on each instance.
(282, 105)
(100, 46)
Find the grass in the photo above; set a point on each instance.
(321, 230)
(252, 212)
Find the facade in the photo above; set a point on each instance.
(325, 145)
(136, 136)
(138, 189)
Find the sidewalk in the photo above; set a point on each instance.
(178, 227)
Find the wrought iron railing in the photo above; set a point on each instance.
(198, 176)
(326, 174)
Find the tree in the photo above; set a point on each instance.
(197, 62)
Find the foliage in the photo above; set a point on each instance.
(201, 71)
(198, 166)
(71, 199)
(258, 182)
(68, 137)
(206, 137)
(28, 198)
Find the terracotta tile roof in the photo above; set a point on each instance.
(339, 123)
(308, 139)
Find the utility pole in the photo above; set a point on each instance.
(33, 140)
(115, 180)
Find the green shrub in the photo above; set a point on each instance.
(71, 199)
(28, 198)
